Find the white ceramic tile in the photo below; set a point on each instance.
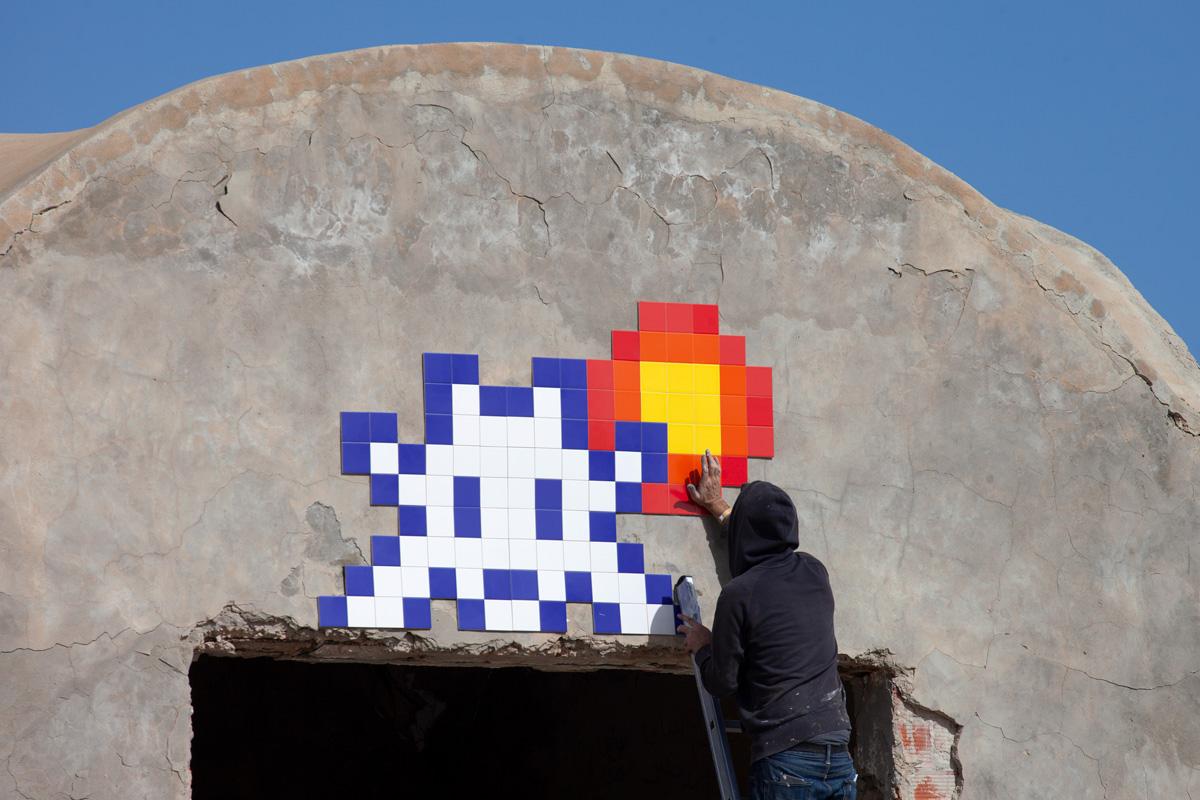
(604, 556)
(385, 458)
(493, 431)
(439, 459)
(552, 585)
(520, 432)
(550, 554)
(469, 583)
(577, 556)
(388, 580)
(605, 588)
(575, 465)
(547, 432)
(662, 619)
(602, 496)
(493, 523)
(575, 495)
(522, 554)
(439, 490)
(466, 429)
(547, 463)
(547, 402)
(521, 462)
(415, 580)
(497, 615)
(526, 615)
(412, 490)
(493, 492)
(466, 460)
(633, 587)
(414, 551)
(439, 520)
(629, 466)
(441, 550)
(493, 462)
(468, 553)
(522, 523)
(389, 612)
(360, 612)
(633, 618)
(577, 526)
(520, 492)
(465, 397)
(495, 553)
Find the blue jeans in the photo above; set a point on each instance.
(801, 775)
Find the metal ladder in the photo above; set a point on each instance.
(714, 724)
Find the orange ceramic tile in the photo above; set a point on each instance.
(734, 441)
(679, 348)
(705, 319)
(680, 469)
(625, 345)
(601, 403)
(760, 442)
(733, 350)
(628, 406)
(679, 317)
(655, 499)
(706, 349)
(627, 376)
(600, 374)
(652, 316)
(758, 411)
(758, 381)
(733, 410)
(733, 380)
(734, 470)
(653, 346)
(602, 435)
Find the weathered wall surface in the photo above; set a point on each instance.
(989, 434)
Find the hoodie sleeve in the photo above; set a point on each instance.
(721, 661)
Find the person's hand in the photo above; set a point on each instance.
(697, 635)
(706, 492)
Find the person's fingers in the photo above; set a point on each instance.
(693, 493)
(703, 467)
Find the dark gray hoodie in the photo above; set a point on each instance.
(773, 640)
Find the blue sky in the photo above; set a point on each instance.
(1083, 115)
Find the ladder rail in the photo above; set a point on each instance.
(714, 722)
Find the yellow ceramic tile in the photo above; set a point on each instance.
(708, 437)
(681, 439)
(654, 376)
(681, 378)
(681, 408)
(654, 407)
(708, 409)
(707, 379)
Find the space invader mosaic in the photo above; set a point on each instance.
(509, 507)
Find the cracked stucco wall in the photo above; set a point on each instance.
(989, 434)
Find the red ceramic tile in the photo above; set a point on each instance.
(599, 374)
(733, 380)
(733, 349)
(706, 349)
(760, 442)
(679, 347)
(602, 435)
(758, 412)
(653, 346)
(628, 406)
(627, 376)
(655, 499)
(625, 345)
(734, 470)
(679, 317)
(652, 316)
(758, 381)
(601, 404)
(680, 504)
(705, 319)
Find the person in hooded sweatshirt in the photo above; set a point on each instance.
(772, 643)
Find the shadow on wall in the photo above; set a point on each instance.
(267, 728)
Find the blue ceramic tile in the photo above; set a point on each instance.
(654, 467)
(356, 458)
(520, 401)
(579, 587)
(468, 523)
(574, 373)
(606, 618)
(383, 427)
(466, 492)
(356, 426)
(574, 404)
(630, 557)
(603, 526)
(496, 585)
(442, 584)
(411, 521)
(412, 459)
(629, 435)
(470, 615)
(439, 368)
(385, 490)
(629, 498)
(553, 616)
(654, 437)
(360, 581)
(439, 429)
(658, 589)
(493, 401)
(385, 551)
(602, 465)
(546, 372)
(524, 584)
(331, 612)
(417, 613)
(574, 434)
(439, 398)
(464, 368)
(547, 493)
(549, 524)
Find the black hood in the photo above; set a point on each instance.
(763, 526)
